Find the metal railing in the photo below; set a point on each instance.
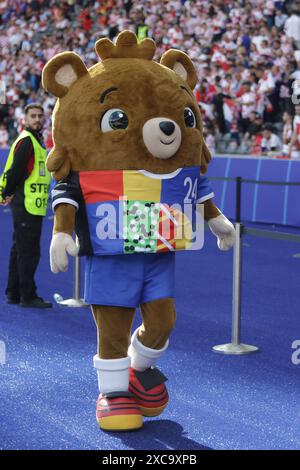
(235, 346)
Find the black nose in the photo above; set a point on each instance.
(167, 127)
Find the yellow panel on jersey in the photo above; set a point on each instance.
(139, 187)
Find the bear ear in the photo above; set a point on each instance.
(181, 64)
(61, 72)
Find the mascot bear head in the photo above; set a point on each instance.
(125, 112)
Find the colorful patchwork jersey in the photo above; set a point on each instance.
(129, 211)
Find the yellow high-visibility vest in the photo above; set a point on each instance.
(142, 33)
(36, 186)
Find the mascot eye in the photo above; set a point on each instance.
(113, 120)
(189, 118)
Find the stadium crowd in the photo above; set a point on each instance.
(247, 53)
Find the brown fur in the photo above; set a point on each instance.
(64, 220)
(126, 47)
(158, 321)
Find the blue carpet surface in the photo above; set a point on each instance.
(48, 386)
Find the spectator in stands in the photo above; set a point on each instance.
(280, 19)
(248, 106)
(270, 142)
(218, 102)
(294, 150)
(296, 74)
(285, 94)
(266, 88)
(2, 91)
(256, 142)
(287, 133)
(253, 128)
(3, 136)
(292, 26)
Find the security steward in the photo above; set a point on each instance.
(25, 185)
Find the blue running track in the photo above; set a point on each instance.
(48, 386)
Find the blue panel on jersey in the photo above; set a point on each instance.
(104, 222)
(204, 188)
(185, 188)
(180, 188)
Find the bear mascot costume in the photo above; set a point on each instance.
(128, 156)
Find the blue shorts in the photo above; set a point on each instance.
(129, 280)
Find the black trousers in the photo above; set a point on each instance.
(24, 254)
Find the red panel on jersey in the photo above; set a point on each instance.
(100, 186)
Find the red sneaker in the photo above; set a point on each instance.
(149, 390)
(118, 411)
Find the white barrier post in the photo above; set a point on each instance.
(236, 347)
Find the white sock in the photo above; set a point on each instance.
(113, 374)
(142, 357)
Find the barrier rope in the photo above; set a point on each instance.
(291, 237)
(246, 180)
(275, 235)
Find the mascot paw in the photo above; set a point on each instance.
(149, 391)
(61, 245)
(223, 229)
(118, 411)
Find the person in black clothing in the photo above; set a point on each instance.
(25, 251)
(254, 126)
(218, 102)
